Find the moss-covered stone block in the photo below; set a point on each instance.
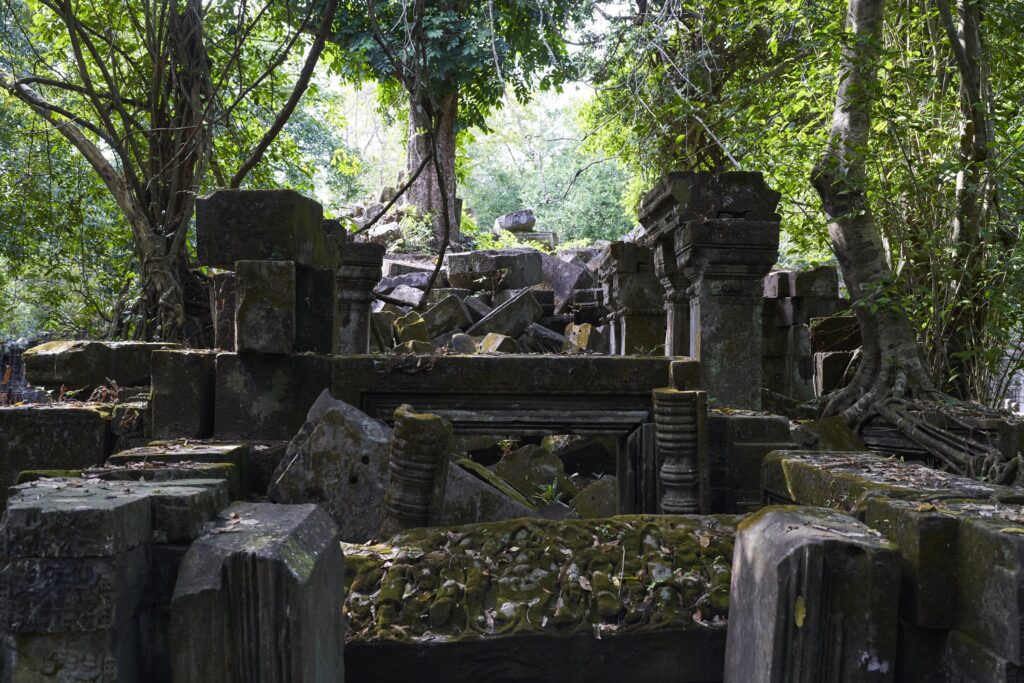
(183, 399)
(266, 397)
(55, 436)
(85, 365)
(265, 307)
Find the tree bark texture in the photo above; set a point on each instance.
(425, 192)
(891, 362)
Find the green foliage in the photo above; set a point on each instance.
(535, 157)
(65, 251)
(477, 49)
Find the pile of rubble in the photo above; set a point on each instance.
(518, 300)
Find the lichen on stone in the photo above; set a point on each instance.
(520, 576)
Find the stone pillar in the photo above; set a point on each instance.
(417, 470)
(679, 418)
(677, 299)
(356, 277)
(634, 297)
(724, 234)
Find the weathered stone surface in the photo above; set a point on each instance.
(470, 497)
(295, 629)
(384, 233)
(522, 220)
(85, 365)
(222, 309)
(183, 398)
(409, 296)
(265, 307)
(384, 329)
(437, 293)
(597, 500)
(688, 196)
(417, 470)
(411, 327)
(539, 339)
(828, 434)
(582, 337)
(339, 461)
(146, 472)
(846, 480)
(266, 397)
(494, 269)
(446, 315)
(418, 279)
(737, 446)
(836, 333)
(477, 307)
(499, 343)
(54, 520)
(809, 581)
(547, 577)
(564, 276)
(314, 309)
(463, 343)
(415, 347)
(829, 370)
(533, 470)
(394, 268)
(511, 318)
(260, 225)
(968, 661)
(39, 437)
(927, 540)
(187, 452)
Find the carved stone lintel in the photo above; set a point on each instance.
(417, 470)
(679, 431)
(355, 279)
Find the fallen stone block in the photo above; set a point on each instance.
(599, 499)
(563, 277)
(808, 581)
(463, 343)
(183, 394)
(295, 629)
(384, 329)
(534, 471)
(265, 307)
(85, 365)
(418, 280)
(968, 661)
(511, 318)
(829, 370)
(499, 343)
(477, 308)
(40, 437)
(522, 220)
(409, 296)
(539, 339)
(446, 315)
(384, 233)
(147, 472)
(494, 269)
(472, 496)
(394, 268)
(261, 225)
(339, 461)
(411, 327)
(436, 294)
(265, 397)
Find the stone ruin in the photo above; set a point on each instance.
(555, 468)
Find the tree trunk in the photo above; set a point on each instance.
(425, 192)
(891, 362)
(974, 190)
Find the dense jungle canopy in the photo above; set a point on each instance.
(116, 114)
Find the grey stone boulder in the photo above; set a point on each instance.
(522, 220)
(259, 599)
(411, 327)
(477, 307)
(338, 460)
(462, 343)
(809, 581)
(599, 499)
(499, 343)
(511, 318)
